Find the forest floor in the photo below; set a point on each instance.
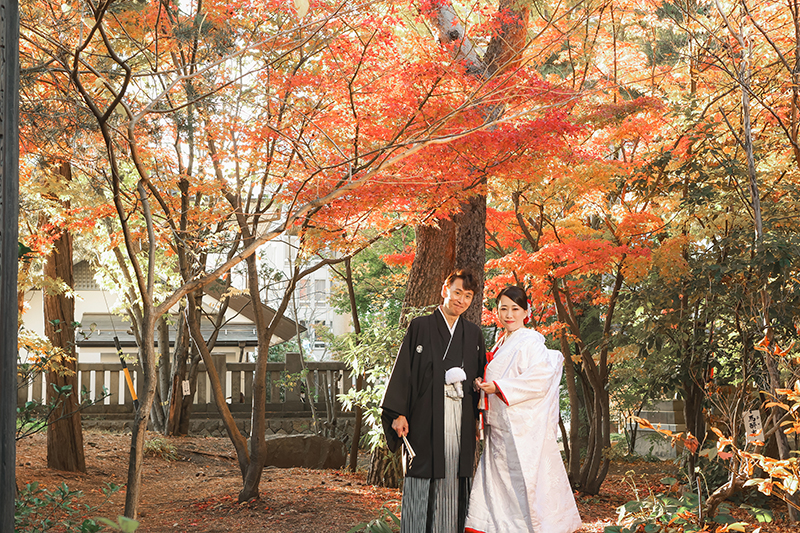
(196, 490)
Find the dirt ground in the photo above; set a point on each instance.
(196, 491)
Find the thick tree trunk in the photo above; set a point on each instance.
(64, 433)
(470, 248)
(180, 406)
(435, 257)
(385, 469)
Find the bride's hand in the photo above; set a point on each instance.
(488, 387)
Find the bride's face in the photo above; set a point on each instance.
(511, 315)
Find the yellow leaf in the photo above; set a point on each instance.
(737, 526)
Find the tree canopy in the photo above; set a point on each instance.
(638, 159)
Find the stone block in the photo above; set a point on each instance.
(307, 451)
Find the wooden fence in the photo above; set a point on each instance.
(287, 392)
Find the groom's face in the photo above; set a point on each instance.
(457, 299)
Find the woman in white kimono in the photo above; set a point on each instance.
(521, 483)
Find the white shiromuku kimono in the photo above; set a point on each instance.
(521, 483)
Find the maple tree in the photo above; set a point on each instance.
(626, 189)
(218, 130)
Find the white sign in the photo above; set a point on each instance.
(752, 426)
(187, 390)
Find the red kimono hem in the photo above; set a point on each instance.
(470, 530)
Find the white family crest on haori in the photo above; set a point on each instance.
(521, 483)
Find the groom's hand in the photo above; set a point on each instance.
(400, 425)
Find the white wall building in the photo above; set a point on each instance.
(310, 309)
(311, 306)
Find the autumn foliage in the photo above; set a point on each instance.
(652, 221)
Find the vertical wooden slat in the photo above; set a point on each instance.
(222, 372)
(275, 388)
(138, 382)
(236, 386)
(113, 385)
(85, 377)
(201, 398)
(347, 380)
(37, 388)
(100, 383)
(336, 384)
(22, 392)
(248, 387)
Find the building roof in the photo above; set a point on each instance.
(98, 329)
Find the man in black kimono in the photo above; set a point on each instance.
(430, 400)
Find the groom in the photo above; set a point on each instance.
(430, 401)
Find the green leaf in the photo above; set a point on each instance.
(762, 515)
(124, 524)
(128, 525)
(22, 250)
(379, 526)
(723, 518)
(669, 481)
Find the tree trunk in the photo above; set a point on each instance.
(470, 248)
(359, 412)
(64, 433)
(695, 421)
(139, 429)
(180, 406)
(434, 259)
(744, 74)
(385, 469)
(237, 439)
(258, 446)
(160, 412)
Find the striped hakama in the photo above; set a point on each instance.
(432, 505)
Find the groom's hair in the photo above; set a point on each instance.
(468, 279)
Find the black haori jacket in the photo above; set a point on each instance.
(416, 390)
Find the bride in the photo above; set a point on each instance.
(521, 484)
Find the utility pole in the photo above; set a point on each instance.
(9, 210)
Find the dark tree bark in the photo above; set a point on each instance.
(694, 395)
(470, 248)
(64, 433)
(159, 412)
(434, 259)
(179, 406)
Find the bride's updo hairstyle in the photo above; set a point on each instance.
(515, 294)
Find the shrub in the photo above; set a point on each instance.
(38, 510)
(161, 447)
